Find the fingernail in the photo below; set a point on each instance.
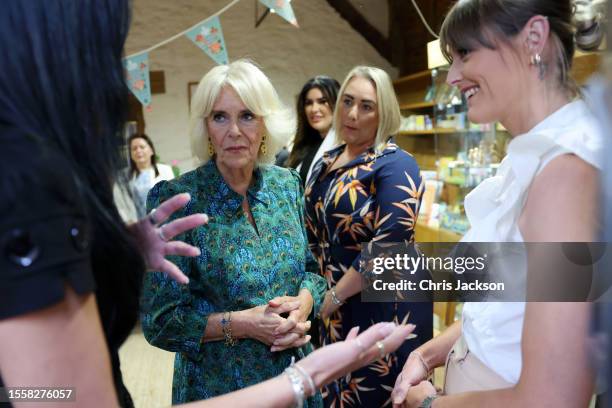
(204, 218)
(198, 252)
(411, 326)
(273, 349)
(387, 329)
(187, 195)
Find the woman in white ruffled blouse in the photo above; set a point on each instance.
(511, 59)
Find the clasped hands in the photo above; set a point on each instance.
(266, 324)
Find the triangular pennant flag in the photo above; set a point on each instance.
(282, 8)
(137, 75)
(209, 37)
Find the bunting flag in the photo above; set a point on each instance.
(282, 8)
(208, 36)
(137, 75)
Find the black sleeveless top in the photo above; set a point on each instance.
(50, 236)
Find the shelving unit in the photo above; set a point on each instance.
(417, 106)
(435, 131)
(435, 146)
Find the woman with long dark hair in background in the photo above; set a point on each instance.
(145, 171)
(315, 107)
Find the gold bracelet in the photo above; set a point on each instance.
(226, 327)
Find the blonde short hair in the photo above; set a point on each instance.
(256, 92)
(389, 116)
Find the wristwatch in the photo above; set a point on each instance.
(427, 402)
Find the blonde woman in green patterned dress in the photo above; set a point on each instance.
(251, 293)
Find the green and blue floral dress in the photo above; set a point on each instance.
(239, 268)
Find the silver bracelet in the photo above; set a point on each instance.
(306, 376)
(334, 298)
(297, 384)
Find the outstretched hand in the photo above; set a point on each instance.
(335, 360)
(154, 237)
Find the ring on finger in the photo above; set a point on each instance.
(160, 233)
(152, 217)
(381, 349)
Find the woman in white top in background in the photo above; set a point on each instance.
(511, 59)
(145, 172)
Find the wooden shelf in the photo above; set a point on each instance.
(459, 185)
(417, 105)
(430, 132)
(412, 89)
(425, 233)
(413, 77)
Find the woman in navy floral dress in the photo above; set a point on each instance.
(368, 189)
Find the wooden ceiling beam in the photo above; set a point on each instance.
(363, 27)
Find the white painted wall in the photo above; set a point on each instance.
(324, 44)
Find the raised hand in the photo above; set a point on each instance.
(154, 238)
(337, 359)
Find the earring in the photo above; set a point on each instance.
(536, 60)
(211, 149)
(263, 147)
